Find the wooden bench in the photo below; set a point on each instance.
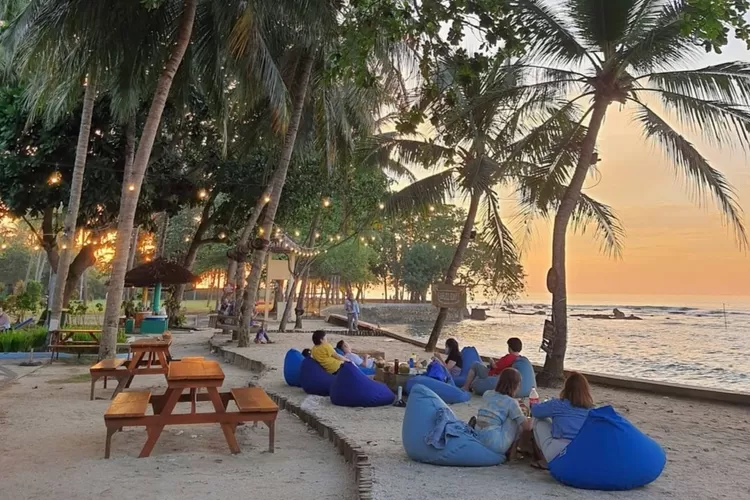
(108, 368)
(124, 407)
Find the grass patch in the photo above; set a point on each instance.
(73, 379)
(34, 337)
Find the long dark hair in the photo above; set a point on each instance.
(451, 345)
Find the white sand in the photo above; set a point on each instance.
(707, 444)
(52, 447)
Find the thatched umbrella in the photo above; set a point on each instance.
(157, 273)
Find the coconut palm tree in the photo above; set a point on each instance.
(630, 53)
(482, 120)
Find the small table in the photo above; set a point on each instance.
(157, 362)
(61, 338)
(394, 380)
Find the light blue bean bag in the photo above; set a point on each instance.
(481, 385)
(447, 392)
(292, 366)
(609, 453)
(432, 434)
(469, 356)
(528, 377)
(314, 379)
(352, 388)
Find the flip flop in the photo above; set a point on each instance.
(538, 465)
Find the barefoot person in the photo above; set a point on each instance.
(453, 360)
(365, 361)
(324, 354)
(557, 421)
(500, 423)
(481, 371)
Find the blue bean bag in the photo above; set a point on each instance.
(481, 385)
(447, 392)
(314, 379)
(352, 388)
(609, 453)
(469, 356)
(292, 366)
(528, 377)
(460, 446)
(367, 371)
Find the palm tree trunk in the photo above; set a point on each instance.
(554, 365)
(74, 203)
(161, 237)
(131, 186)
(259, 256)
(458, 257)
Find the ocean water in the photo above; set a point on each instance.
(703, 346)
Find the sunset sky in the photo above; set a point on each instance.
(675, 244)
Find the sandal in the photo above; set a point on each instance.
(538, 465)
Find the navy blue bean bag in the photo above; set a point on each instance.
(609, 453)
(447, 392)
(469, 356)
(314, 379)
(292, 366)
(528, 377)
(353, 388)
(456, 446)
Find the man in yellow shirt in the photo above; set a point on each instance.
(324, 353)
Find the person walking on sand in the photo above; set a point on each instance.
(355, 314)
(481, 371)
(349, 309)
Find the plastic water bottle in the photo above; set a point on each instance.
(411, 360)
(533, 397)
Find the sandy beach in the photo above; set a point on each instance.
(52, 446)
(53, 441)
(706, 443)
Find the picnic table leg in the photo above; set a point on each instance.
(271, 435)
(93, 381)
(154, 431)
(108, 444)
(227, 428)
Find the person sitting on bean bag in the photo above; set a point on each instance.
(453, 361)
(557, 421)
(363, 362)
(501, 422)
(324, 353)
(481, 371)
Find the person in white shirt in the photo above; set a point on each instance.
(365, 361)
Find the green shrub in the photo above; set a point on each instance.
(34, 337)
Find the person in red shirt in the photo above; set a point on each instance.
(480, 370)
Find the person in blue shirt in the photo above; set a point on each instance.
(557, 421)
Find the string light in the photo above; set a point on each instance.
(338, 237)
(222, 236)
(381, 206)
(361, 238)
(326, 202)
(131, 187)
(197, 218)
(55, 178)
(64, 247)
(266, 198)
(261, 231)
(432, 209)
(4, 246)
(317, 235)
(187, 238)
(36, 247)
(296, 233)
(202, 194)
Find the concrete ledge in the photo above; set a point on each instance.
(630, 383)
(352, 452)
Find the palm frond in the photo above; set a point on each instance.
(419, 195)
(728, 82)
(701, 176)
(499, 240)
(552, 39)
(380, 149)
(607, 226)
(717, 121)
(602, 24)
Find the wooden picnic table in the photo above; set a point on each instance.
(156, 362)
(61, 339)
(193, 375)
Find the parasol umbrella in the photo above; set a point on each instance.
(157, 273)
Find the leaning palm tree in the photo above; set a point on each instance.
(627, 52)
(482, 122)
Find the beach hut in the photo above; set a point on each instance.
(155, 274)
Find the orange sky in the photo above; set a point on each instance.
(673, 246)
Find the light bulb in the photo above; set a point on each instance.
(202, 194)
(266, 198)
(187, 238)
(55, 178)
(381, 206)
(4, 246)
(131, 187)
(317, 235)
(326, 202)
(432, 209)
(296, 233)
(222, 236)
